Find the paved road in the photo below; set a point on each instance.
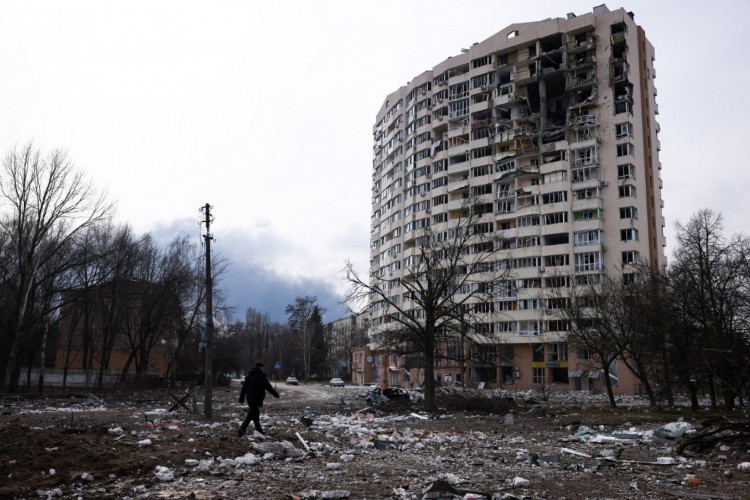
(295, 398)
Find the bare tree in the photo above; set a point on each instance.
(153, 308)
(447, 273)
(49, 204)
(586, 331)
(618, 319)
(710, 274)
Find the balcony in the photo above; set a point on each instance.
(586, 203)
(588, 267)
(458, 185)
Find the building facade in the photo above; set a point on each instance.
(554, 122)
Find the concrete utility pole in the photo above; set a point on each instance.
(209, 350)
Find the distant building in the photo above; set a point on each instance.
(345, 337)
(121, 332)
(554, 122)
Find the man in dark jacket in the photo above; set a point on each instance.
(255, 386)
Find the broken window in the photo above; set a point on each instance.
(626, 171)
(440, 166)
(623, 129)
(556, 218)
(527, 262)
(626, 191)
(582, 215)
(538, 354)
(506, 326)
(584, 156)
(556, 197)
(538, 376)
(586, 194)
(458, 108)
(505, 166)
(481, 61)
(557, 239)
(585, 238)
(557, 176)
(485, 227)
(557, 260)
(623, 107)
(481, 190)
(530, 304)
(504, 191)
(504, 206)
(558, 325)
(630, 257)
(590, 261)
(584, 174)
(628, 213)
(557, 282)
(630, 234)
(559, 375)
(626, 149)
(558, 352)
(459, 90)
(529, 220)
(481, 81)
(529, 241)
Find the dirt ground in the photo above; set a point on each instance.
(321, 442)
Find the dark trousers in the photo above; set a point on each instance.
(253, 414)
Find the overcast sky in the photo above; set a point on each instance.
(265, 111)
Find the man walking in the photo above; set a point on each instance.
(255, 386)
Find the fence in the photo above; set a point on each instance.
(77, 378)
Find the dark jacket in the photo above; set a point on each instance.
(255, 386)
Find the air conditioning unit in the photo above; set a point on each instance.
(541, 269)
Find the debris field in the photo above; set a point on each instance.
(326, 442)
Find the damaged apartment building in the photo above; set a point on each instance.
(554, 122)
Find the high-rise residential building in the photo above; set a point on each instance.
(555, 122)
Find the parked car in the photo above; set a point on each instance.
(292, 381)
(336, 382)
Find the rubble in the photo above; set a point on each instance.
(375, 453)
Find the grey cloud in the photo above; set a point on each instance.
(249, 283)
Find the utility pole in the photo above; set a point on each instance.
(209, 349)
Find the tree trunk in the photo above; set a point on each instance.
(43, 356)
(693, 389)
(608, 384)
(430, 404)
(712, 391)
(126, 368)
(728, 393)
(14, 368)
